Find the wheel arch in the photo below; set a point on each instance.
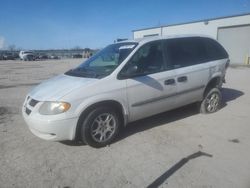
(110, 103)
(214, 82)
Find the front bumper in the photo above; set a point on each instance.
(48, 127)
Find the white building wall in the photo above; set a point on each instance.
(209, 29)
(142, 33)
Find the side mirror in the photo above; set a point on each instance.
(128, 72)
(132, 70)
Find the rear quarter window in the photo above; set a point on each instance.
(214, 50)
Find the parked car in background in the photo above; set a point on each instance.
(77, 56)
(1, 56)
(29, 57)
(125, 82)
(43, 57)
(54, 57)
(15, 55)
(26, 55)
(8, 56)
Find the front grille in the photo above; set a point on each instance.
(33, 102)
(28, 111)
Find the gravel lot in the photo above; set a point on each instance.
(180, 148)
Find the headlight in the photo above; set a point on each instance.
(53, 108)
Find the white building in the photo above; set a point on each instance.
(233, 32)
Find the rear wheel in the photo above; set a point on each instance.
(100, 127)
(211, 102)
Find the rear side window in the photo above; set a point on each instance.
(182, 52)
(214, 50)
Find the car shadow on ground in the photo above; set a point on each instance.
(228, 95)
(158, 120)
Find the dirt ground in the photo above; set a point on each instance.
(180, 148)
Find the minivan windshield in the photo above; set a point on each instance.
(104, 62)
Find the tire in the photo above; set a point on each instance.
(100, 127)
(211, 102)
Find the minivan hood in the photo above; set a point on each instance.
(57, 87)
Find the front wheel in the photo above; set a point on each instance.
(211, 102)
(100, 127)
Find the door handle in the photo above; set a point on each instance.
(169, 82)
(182, 79)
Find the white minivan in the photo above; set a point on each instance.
(26, 55)
(124, 82)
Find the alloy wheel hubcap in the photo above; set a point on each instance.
(103, 127)
(212, 102)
